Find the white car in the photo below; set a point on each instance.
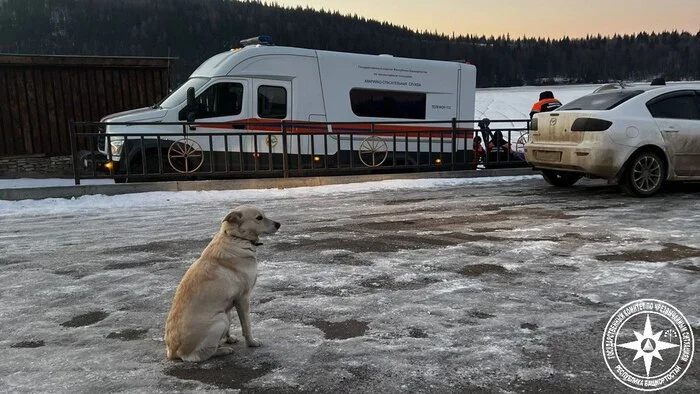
(636, 136)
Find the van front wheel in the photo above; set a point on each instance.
(560, 178)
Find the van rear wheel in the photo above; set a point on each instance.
(644, 175)
(561, 178)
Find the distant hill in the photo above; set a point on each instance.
(193, 30)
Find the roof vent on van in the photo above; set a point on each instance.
(259, 40)
(386, 54)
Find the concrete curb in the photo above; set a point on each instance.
(37, 193)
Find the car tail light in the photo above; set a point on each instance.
(590, 124)
(533, 124)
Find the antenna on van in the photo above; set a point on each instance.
(259, 40)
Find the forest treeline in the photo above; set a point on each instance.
(193, 30)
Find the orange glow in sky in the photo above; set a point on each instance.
(523, 18)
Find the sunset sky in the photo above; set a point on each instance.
(536, 18)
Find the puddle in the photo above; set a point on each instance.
(417, 333)
(385, 282)
(229, 372)
(384, 243)
(73, 273)
(481, 315)
(347, 259)
(481, 269)
(408, 201)
(342, 330)
(28, 344)
(131, 264)
(670, 252)
(86, 319)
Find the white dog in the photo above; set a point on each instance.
(221, 279)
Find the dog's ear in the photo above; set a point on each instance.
(233, 217)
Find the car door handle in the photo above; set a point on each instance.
(671, 129)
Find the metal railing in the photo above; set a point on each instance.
(152, 151)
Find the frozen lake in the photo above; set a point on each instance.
(445, 286)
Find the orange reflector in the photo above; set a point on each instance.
(316, 158)
(109, 165)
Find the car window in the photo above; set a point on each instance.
(601, 101)
(682, 106)
(221, 99)
(272, 102)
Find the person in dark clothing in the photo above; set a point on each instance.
(546, 103)
(498, 145)
(498, 140)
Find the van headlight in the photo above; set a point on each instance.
(116, 147)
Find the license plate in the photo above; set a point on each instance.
(547, 155)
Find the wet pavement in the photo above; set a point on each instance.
(448, 287)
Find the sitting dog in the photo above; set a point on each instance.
(220, 280)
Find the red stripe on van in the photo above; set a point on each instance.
(254, 124)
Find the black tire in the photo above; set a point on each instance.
(644, 174)
(561, 178)
(151, 175)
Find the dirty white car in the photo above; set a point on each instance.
(636, 136)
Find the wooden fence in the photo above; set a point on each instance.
(40, 95)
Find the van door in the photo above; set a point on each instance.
(221, 108)
(272, 103)
(678, 117)
(223, 100)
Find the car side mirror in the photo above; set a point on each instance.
(191, 106)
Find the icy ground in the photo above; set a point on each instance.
(48, 182)
(444, 286)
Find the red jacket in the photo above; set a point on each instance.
(545, 105)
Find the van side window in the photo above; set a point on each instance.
(387, 104)
(221, 99)
(675, 107)
(272, 102)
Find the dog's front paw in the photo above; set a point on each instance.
(231, 339)
(253, 343)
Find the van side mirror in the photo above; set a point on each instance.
(191, 106)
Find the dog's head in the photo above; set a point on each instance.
(248, 222)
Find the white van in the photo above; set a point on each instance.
(259, 87)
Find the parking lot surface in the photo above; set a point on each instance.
(445, 286)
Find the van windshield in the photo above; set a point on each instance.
(180, 94)
(601, 101)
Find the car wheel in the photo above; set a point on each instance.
(644, 175)
(561, 178)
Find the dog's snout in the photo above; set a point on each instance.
(277, 225)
